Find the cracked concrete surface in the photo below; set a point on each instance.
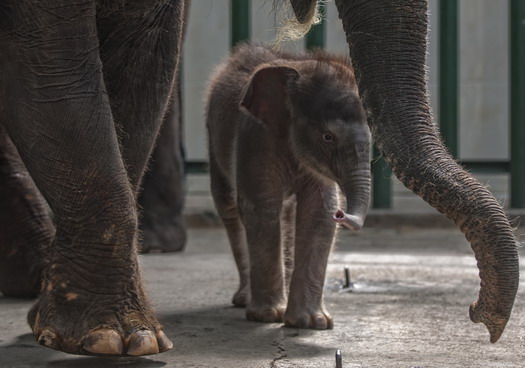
(281, 351)
(409, 308)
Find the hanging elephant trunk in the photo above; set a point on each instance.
(387, 42)
(388, 45)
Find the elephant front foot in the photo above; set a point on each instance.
(317, 320)
(164, 237)
(96, 324)
(265, 313)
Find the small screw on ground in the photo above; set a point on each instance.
(338, 359)
(348, 282)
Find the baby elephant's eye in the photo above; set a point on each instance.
(327, 137)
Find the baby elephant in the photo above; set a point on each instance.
(283, 131)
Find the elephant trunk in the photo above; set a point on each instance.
(387, 41)
(357, 192)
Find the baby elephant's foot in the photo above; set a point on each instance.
(317, 320)
(81, 324)
(241, 298)
(265, 313)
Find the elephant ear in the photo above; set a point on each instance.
(266, 95)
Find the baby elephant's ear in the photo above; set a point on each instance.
(266, 95)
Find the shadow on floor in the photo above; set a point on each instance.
(206, 333)
(37, 355)
(224, 331)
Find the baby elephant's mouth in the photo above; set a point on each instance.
(351, 222)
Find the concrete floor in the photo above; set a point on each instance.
(409, 309)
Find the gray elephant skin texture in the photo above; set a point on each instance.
(84, 89)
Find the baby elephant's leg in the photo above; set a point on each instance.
(263, 232)
(226, 204)
(314, 235)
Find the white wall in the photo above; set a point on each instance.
(484, 88)
(483, 70)
(207, 42)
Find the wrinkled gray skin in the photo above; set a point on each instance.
(283, 130)
(84, 89)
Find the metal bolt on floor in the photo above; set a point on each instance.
(347, 277)
(338, 359)
(348, 284)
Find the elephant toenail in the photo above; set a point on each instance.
(49, 338)
(142, 342)
(163, 342)
(320, 323)
(104, 341)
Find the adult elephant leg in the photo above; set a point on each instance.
(387, 41)
(140, 44)
(26, 230)
(59, 119)
(164, 187)
(139, 48)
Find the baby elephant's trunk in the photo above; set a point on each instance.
(357, 192)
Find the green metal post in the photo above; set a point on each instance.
(316, 38)
(517, 103)
(381, 182)
(448, 73)
(240, 21)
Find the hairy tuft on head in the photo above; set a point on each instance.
(299, 17)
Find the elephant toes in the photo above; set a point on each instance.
(105, 341)
(110, 332)
(49, 338)
(142, 342)
(317, 320)
(145, 342)
(266, 314)
(164, 343)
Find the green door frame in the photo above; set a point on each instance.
(517, 103)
